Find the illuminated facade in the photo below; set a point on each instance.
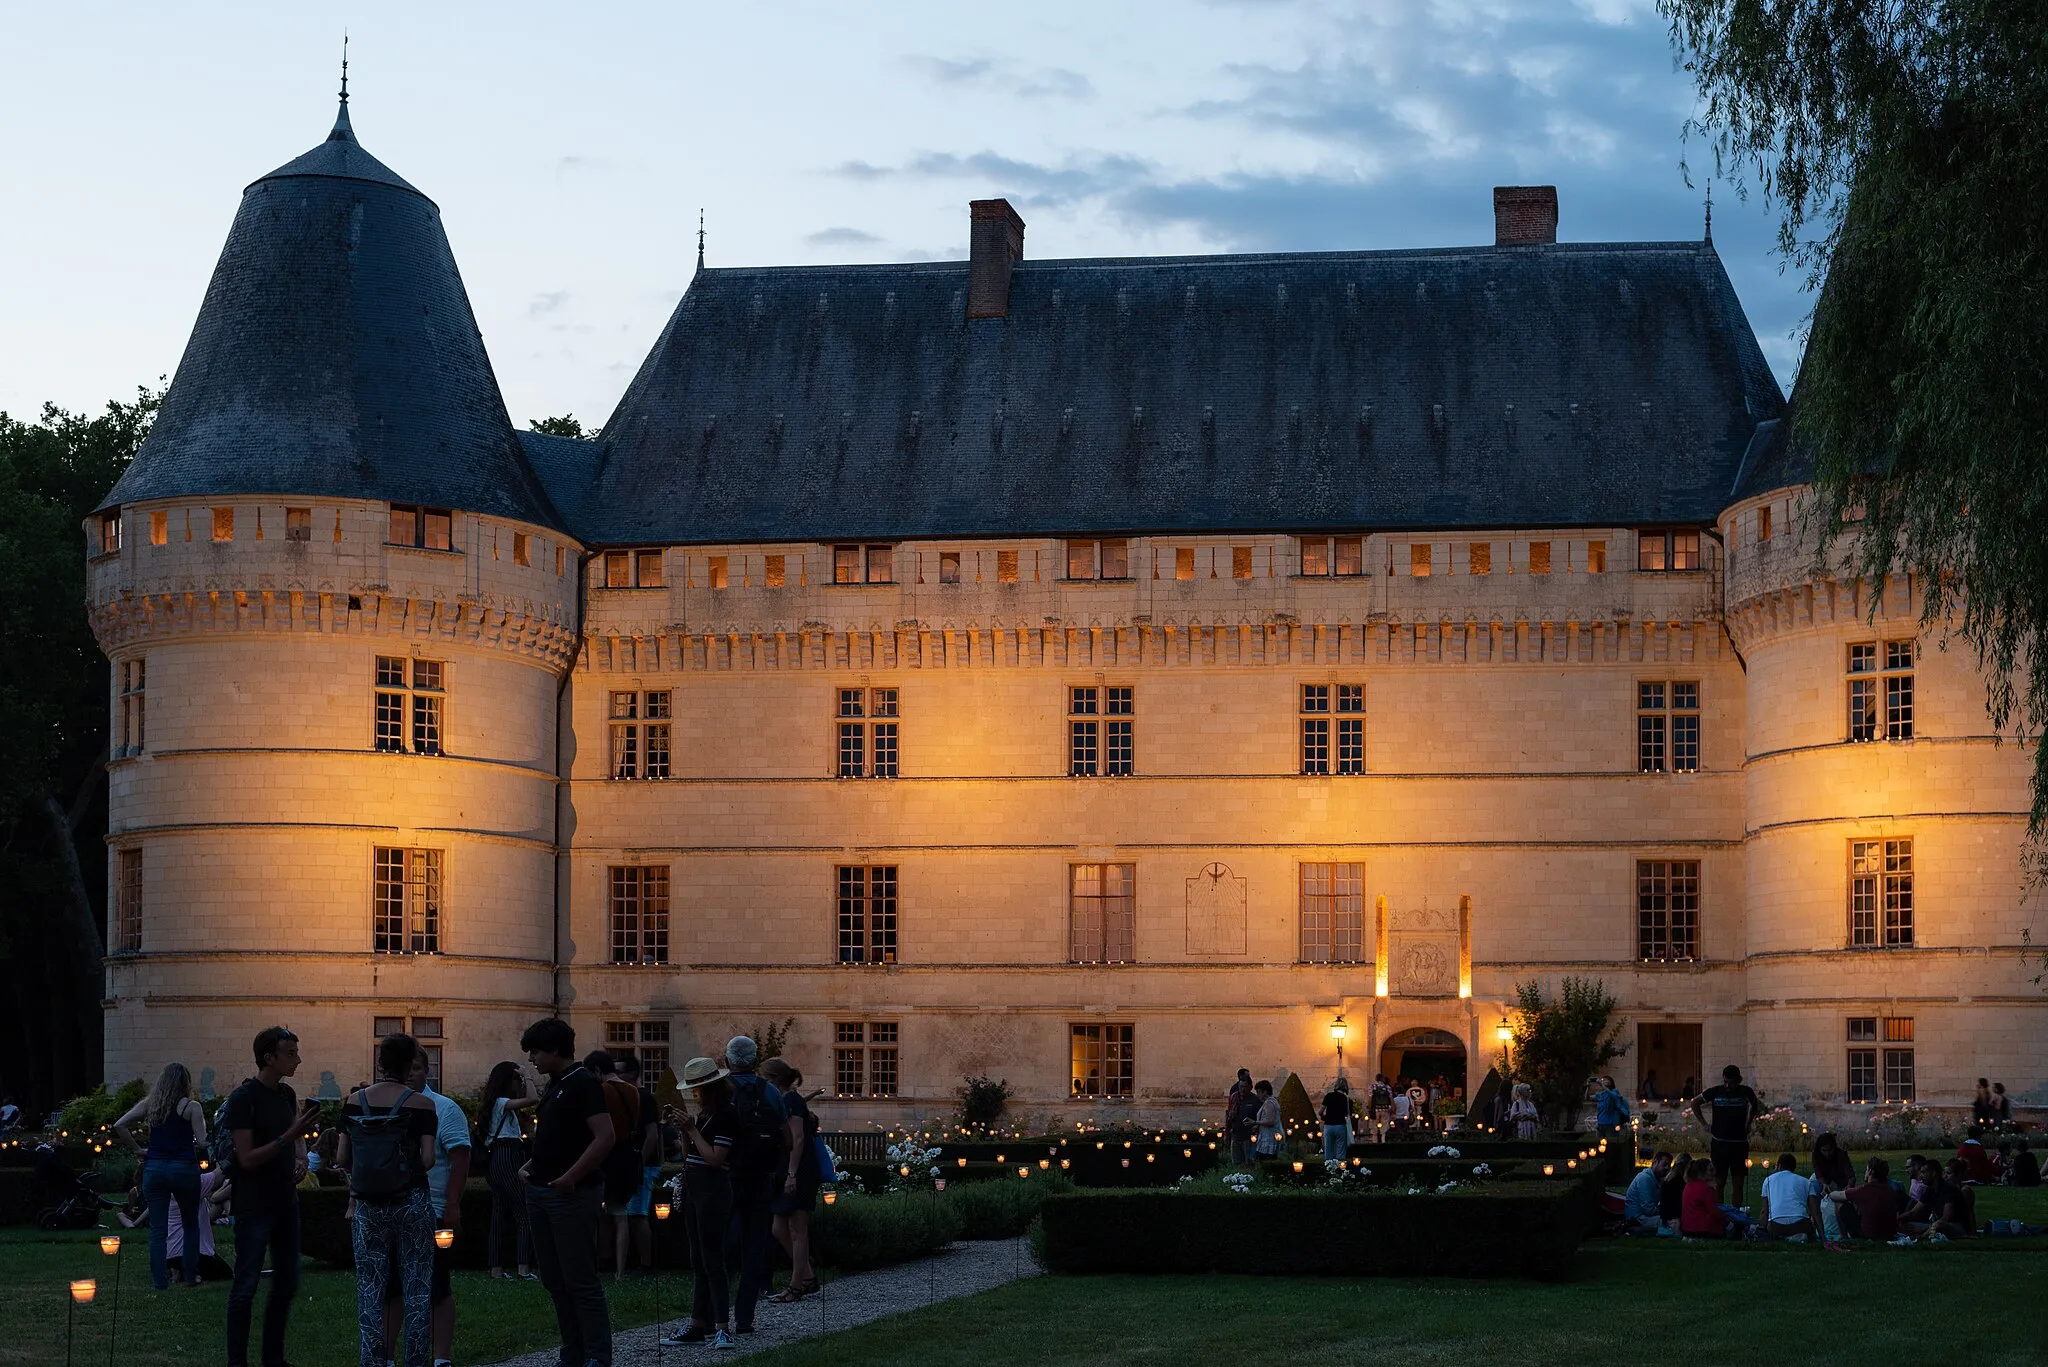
(1093, 674)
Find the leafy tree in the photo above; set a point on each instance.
(567, 425)
(53, 743)
(1561, 1041)
(1901, 143)
(982, 1101)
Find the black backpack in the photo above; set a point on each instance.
(220, 1144)
(384, 1158)
(762, 1142)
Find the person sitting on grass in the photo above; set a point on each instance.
(2025, 1170)
(1975, 1158)
(1939, 1209)
(1832, 1172)
(1701, 1217)
(1642, 1205)
(1870, 1210)
(1785, 1206)
(1671, 1200)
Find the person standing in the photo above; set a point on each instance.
(387, 1146)
(1522, 1114)
(646, 1145)
(1382, 1107)
(1240, 1107)
(502, 1137)
(1610, 1109)
(761, 1148)
(708, 1140)
(1418, 1105)
(445, 1181)
(1268, 1118)
(170, 1169)
(2001, 1106)
(572, 1133)
(1735, 1111)
(798, 1195)
(622, 1165)
(269, 1126)
(1338, 1113)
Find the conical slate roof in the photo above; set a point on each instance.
(336, 354)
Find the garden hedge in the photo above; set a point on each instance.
(1521, 1229)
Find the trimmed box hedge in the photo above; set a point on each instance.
(1522, 1229)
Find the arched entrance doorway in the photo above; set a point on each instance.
(1424, 1055)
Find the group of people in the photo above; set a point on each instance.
(1254, 1127)
(572, 1166)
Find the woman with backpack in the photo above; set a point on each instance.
(170, 1169)
(387, 1148)
(707, 1201)
(502, 1140)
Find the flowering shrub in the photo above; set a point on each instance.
(912, 1166)
(1239, 1182)
(1482, 1171)
(1444, 1151)
(1779, 1129)
(1338, 1173)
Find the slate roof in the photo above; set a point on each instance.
(1774, 461)
(336, 354)
(1562, 385)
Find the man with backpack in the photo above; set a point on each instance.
(623, 1170)
(445, 1181)
(759, 1154)
(387, 1149)
(262, 1146)
(1381, 1107)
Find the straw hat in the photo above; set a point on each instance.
(699, 1072)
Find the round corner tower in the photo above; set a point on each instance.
(339, 607)
(1883, 825)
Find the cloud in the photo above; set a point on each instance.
(841, 237)
(573, 162)
(1042, 183)
(550, 301)
(1006, 78)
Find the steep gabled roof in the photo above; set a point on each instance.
(1577, 384)
(336, 354)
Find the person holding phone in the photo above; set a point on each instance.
(269, 1125)
(708, 1139)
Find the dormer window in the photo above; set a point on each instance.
(632, 570)
(1343, 556)
(862, 565)
(428, 529)
(1108, 559)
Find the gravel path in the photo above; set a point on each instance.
(961, 1270)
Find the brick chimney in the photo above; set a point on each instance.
(1524, 215)
(994, 247)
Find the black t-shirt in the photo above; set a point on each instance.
(720, 1126)
(1729, 1107)
(1336, 1108)
(561, 1130)
(650, 1114)
(266, 1112)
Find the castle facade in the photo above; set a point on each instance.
(1094, 674)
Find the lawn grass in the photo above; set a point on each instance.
(1640, 1301)
(494, 1319)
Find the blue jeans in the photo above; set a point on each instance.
(1336, 1142)
(162, 1181)
(255, 1231)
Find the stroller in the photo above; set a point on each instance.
(79, 1200)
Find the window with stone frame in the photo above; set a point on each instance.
(1539, 557)
(646, 1040)
(427, 1031)
(427, 529)
(411, 705)
(1105, 559)
(1479, 557)
(1102, 907)
(128, 900)
(868, 742)
(1332, 556)
(405, 901)
(1101, 1061)
(1898, 1079)
(1881, 894)
(637, 902)
(298, 524)
(632, 569)
(130, 734)
(1596, 557)
(863, 564)
(1667, 910)
(110, 533)
(1332, 913)
(867, 913)
(864, 1058)
(1881, 690)
(1101, 742)
(1668, 727)
(1667, 550)
(640, 733)
(1332, 744)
